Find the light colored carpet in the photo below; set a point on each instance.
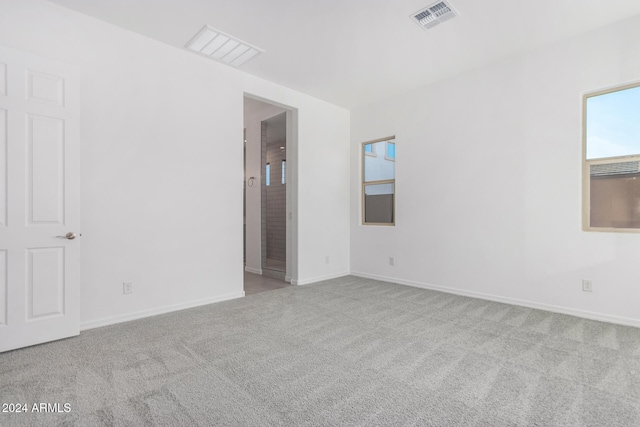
(348, 351)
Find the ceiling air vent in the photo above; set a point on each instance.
(222, 47)
(432, 15)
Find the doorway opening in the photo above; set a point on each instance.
(270, 141)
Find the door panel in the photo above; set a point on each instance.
(46, 170)
(3, 288)
(3, 166)
(39, 163)
(45, 88)
(45, 282)
(3, 78)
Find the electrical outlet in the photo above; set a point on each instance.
(392, 260)
(127, 287)
(587, 286)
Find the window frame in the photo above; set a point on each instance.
(587, 163)
(363, 183)
(371, 153)
(386, 151)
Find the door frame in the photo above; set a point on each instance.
(291, 274)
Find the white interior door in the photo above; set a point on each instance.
(39, 200)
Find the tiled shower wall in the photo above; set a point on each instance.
(276, 216)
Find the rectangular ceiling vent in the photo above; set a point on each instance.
(222, 47)
(432, 15)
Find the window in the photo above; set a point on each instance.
(611, 167)
(284, 171)
(390, 153)
(268, 174)
(378, 182)
(368, 150)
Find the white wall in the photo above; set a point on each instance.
(159, 205)
(488, 175)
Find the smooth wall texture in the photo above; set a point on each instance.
(161, 149)
(488, 175)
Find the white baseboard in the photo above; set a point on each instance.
(529, 304)
(318, 278)
(253, 270)
(106, 321)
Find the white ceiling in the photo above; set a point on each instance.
(352, 52)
